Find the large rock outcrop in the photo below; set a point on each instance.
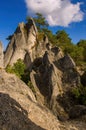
(19, 109)
(24, 44)
(21, 43)
(52, 73)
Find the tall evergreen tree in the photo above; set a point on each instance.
(63, 37)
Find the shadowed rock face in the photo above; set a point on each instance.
(54, 75)
(1, 56)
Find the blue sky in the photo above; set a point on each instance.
(13, 12)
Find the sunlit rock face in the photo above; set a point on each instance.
(25, 44)
(21, 43)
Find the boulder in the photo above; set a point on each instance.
(67, 62)
(71, 77)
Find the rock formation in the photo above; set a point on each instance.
(18, 108)
(24, 45)
(53, 75)
(21, 43)
(1, 56)
(52, 72)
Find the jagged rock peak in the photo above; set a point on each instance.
(33, 23)
(22, 42)
(20, 27)
(1, 56)
(26, 44)
(27, 26)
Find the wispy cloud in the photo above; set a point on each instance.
(56, 12)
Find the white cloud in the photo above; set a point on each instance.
(56, 12)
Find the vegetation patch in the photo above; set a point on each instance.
(17, 68)
(80, 94)
(31, 87)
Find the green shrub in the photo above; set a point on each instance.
(40, 36)
(76, 92)
(17, 68)
(26, 77)
(80, 94)
(9, 69)
(31, 87)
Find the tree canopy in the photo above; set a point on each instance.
(63, 37)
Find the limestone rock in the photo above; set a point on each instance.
(53, 79)
(21, 43)
(40, 98)
(67, 62)
(1, 56)
(19, 109)
(47, 79)
(25, 45)
(70, 76)
(52, 74)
